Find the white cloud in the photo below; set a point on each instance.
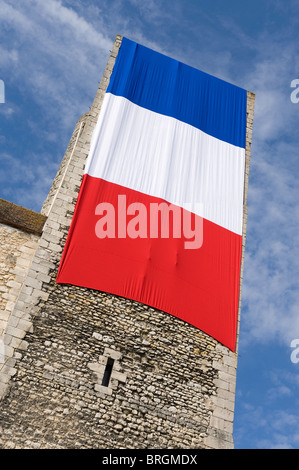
(59, 55)
(8, 58)
(269, 418)
(270, 290)
(28, 183)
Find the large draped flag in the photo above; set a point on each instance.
(159, 213)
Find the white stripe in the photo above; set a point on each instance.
(166, 158)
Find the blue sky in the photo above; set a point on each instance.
(52, 56)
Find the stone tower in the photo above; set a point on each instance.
(86, 369)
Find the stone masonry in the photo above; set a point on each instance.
(86, 369)
(20, 231)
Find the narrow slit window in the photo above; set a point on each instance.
(108, 371)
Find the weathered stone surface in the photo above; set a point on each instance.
(21, 218)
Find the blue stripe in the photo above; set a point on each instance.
(166, 86)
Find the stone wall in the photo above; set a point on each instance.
(162, 393)
(17, 249)
(20, 230)
(170, 385)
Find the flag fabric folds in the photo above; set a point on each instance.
(160, 209)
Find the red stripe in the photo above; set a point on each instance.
(199, 286)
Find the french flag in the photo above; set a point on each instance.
(160, 210)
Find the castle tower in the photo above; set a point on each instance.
(82, 368)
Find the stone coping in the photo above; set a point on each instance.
(21, 218)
